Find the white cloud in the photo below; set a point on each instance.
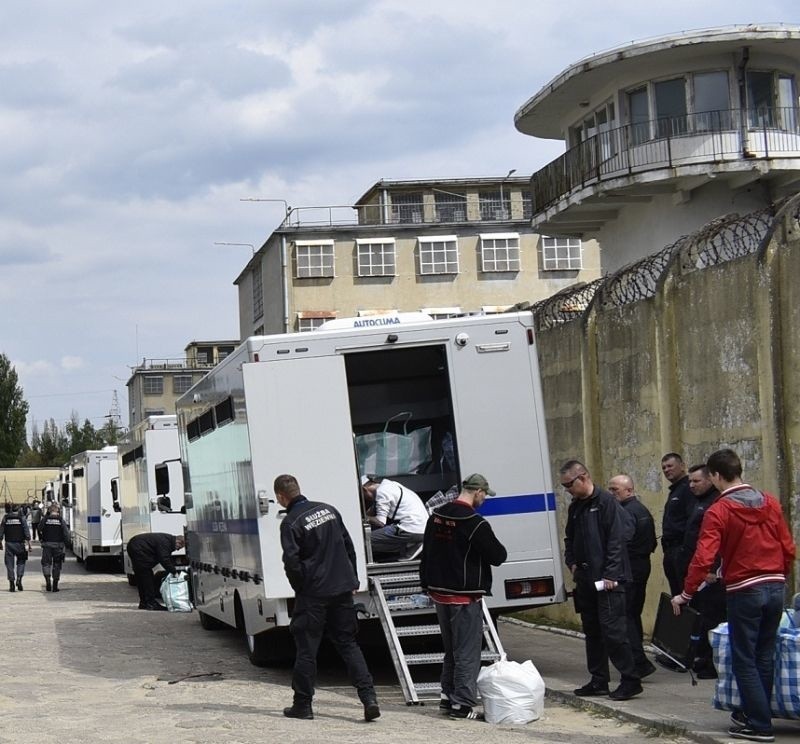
(71, 363)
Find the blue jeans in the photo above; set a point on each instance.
(753, 618)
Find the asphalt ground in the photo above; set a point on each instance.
(85, 664)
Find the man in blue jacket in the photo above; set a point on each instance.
(459, 550)
(320, 563)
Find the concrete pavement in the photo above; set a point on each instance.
(669, 702)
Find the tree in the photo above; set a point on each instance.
(54, 446)
(13, 414)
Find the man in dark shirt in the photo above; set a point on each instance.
(596, 554)
(641, 543)
(146, 550)
(680, 504)
(54, 534)
(320, 562)
(15, 531)
(459, 550)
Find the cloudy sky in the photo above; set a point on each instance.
(130, 132)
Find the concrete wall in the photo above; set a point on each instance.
(706, 358)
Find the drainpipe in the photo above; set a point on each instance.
(744, 133)
(285, 278)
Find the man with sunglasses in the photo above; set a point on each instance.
(596, 554)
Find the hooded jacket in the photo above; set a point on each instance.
(746, 527)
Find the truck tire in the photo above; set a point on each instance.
(209, 623)
(271, 648)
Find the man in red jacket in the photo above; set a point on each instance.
(747, 529)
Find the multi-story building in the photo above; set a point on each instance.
(664, 135)
(445, 247)
(156, 384)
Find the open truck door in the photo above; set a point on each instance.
(308, 435)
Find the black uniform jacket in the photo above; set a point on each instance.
(148, 549)
(318, 554)
(677, 510)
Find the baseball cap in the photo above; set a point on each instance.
(476, 481)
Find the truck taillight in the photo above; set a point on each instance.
(541, 586)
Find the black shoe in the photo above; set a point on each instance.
(55, 585)
(592, 689)
(706, 673)
(371, 710)
(19, 585)
(626, 691)
(444, 704)
(155, 606)
(11, 586)
(303, 712)
(464, 713)
(646, 671)
(47, 584)
(750, 734)
(738, 719)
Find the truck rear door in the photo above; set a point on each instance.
(299, 423)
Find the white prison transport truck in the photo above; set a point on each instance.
(297, 403)
(96, 524)
(150, 483)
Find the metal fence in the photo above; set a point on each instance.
(691, 139)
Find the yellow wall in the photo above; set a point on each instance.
(21, 485)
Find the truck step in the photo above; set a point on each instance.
(415, 659)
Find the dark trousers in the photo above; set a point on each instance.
(672, 570)
(15, 560)
(635, 593)
(34, 530)
(334, 618)
(52, 559)
(606, 629)
(711, 604)
(462, 637)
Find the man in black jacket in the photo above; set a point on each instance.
(15, 531)
(320, 563)
(595, 552)
(459, 549)
(641, 543)
(54, 534)
(680, 504)
(146, 550)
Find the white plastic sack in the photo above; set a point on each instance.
(511, 692)
(175, 593)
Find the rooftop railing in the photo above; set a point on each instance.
(705, 137)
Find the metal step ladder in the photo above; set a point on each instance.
(405, 613)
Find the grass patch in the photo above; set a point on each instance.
(539, 617)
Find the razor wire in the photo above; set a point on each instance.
(566, 305)
(638, 280)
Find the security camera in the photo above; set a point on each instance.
(462, 339)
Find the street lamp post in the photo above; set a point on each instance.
(506, 215)
(249, 245)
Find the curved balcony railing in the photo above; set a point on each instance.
(705, 137)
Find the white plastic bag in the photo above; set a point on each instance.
(511, 692)
(175, 593)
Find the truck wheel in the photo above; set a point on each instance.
(270, 648)
(209, 623)
(131, 580)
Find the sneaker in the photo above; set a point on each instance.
(444, 704)
(464, 713)
(738, 719)
(626, 691)
(302, 712)
(750, 734)
(592, 689)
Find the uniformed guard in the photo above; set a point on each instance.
(15, 531)
(53, 533)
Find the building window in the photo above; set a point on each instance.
(154, 412)
(406, 208)
(670, 104)
(500, 252)
(639, 115)
(712, 101)
(258, 294)
(310, 320)
(376, 257)
(527, 205)
(438, 255)
(562, 254)
(771, 100)
(450, 207)
(314, 259)
(181, 383)
(153, 385)
(495, 205)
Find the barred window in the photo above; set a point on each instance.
(500, 252)
(309, 324)
(153, 385)
(562, 254)
(181, 383)
(376, 257)
(406, 208)
(258, 294)
(495, 205)
(438, 255)
(314, 259)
